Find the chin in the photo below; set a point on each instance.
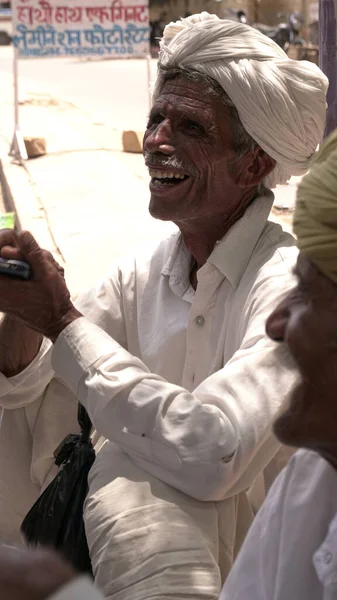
(293, 426)
(286, 429)
(161, 210)
(158, 214)
(288, 425)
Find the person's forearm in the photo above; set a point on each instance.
(18, 346)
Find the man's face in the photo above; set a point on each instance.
(307, 322)
(188, 150)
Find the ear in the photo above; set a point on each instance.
(252, 168)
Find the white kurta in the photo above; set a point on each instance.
(290, 552)
(79, 589)
(185, 385)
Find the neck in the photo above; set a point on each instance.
(201, 234)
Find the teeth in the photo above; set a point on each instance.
(164, 175)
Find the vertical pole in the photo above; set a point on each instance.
(304, 12)
(148, 68)
(18, 148)
(16, 89)
(256, 11)
(328, 58)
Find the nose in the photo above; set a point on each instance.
(160, 139)
(277, 321)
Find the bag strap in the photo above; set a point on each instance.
(84, 422)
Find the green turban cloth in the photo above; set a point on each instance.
(315, 220)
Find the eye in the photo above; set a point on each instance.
(154, 120)
(194, 128)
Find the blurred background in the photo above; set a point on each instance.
(293, 24)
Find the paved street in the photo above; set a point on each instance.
(114, 92)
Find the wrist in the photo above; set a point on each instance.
(69, 317)
(19, 345)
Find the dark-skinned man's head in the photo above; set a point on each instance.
(230, 115)
(306, 321)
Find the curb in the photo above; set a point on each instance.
(7, 197)
(21, 196)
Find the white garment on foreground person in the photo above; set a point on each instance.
(79, 589)
(209, 351)
(290, 552)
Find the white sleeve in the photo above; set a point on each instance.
(210, 444)
(102, 305)
(81, 588)
(245, 580)
(274, 556)
(26, 387)
(28, 438)
(251, 577)
(38, 411)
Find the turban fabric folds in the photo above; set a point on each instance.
(315, 220)
(281, 102)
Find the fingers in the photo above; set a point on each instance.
(8, 237)
(11, 253)
(9, 244)
(32, 253)
(25, 247)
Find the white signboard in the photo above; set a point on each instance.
(52, 28)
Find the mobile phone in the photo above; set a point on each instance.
(14, 268)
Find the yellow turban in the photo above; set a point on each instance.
(315, 221)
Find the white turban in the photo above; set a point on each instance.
(281, 102)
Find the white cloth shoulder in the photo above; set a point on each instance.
(290, 550)
(80, 589)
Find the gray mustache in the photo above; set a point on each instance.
(167, 162)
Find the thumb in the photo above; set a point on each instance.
(31, 250)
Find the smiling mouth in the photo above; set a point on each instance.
(162, 178)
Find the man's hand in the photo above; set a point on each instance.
(32, 575)
(42, 303)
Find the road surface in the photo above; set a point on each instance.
(115, 92)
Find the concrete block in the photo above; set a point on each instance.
(132, 141)
(35, 146)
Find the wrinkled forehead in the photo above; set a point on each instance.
(182, 96)
(184, 88)
(316, 281)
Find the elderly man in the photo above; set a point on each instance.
(172, 361)
(290, 551)
(298, 521)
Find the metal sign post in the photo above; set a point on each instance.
(149, 79)
(328, 59)
(18, 148)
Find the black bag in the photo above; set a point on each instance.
(56, 518)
